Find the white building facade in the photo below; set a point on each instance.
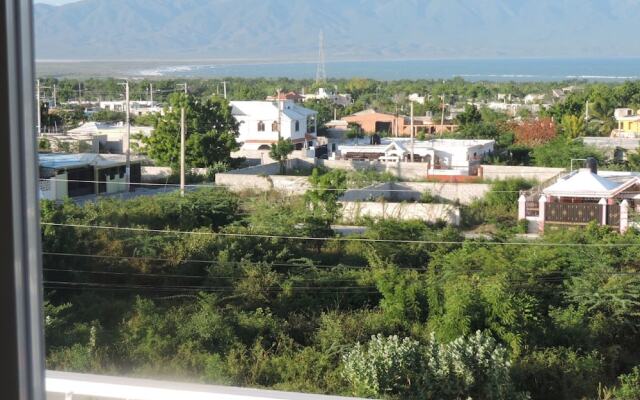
(262, 122)
(442, 156)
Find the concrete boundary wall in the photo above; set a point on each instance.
(403, 170)
(352, 211)
(158, 174)
(464, 193)
(540, 174)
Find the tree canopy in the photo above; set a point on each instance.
(211, 132)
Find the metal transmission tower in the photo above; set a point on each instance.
(321, 73)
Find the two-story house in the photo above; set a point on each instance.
(628, 123)
(262, 122)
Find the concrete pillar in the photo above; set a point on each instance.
(522, 207)
(603, 203)
(541, 215)
(624, 216)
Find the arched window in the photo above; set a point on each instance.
(274, 126)
(297, 126)
(260, 126)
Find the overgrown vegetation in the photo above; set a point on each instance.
(224, 304)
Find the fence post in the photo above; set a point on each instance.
(624, 216)
(603, 203)
(522, 207)
(541, 213)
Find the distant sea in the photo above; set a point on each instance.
(520, 70)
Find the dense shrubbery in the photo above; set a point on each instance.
(222, 305)
(474, 367)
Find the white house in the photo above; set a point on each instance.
(136, 107)
(339, 99)
(112, 136)
(533, 98)
(259, 124)
(442, 156)
(416, 98)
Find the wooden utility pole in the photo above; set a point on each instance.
(127, 139)
(442, 118)
(412, 133)
(279, 117)
(183, 134)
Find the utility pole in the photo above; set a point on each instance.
(279, 117)
(39, 107)
(55, 93)
(412, 133)
(127, 139)
(586, 115)
(224, 89)
(183, 133)
(442, 118)
(151, 93)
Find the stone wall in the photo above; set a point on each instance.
(352, 211)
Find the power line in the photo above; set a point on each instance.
(335, 266)
(340, 239)
(214, 262)
(214, 289)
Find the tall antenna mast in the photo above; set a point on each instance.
(321, 73)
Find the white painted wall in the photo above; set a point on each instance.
(267, 113)
(353, 211)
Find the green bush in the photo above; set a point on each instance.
(474, 367)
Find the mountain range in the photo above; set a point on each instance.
(287, 30)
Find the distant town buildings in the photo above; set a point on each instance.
(112, 137)
(416, 98)
(338, 99)
(136, 107)
(262, 122)
(291, 96)
(534, 98)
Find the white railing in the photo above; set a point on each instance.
(73, 386)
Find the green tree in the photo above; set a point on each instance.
(210, 137)
(559, 153)
(572, 126)
(470, 115)
(280, 152)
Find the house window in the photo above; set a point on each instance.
(274, 127)
(260, 126)
(297, 126)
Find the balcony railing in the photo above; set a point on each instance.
(72, 386)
